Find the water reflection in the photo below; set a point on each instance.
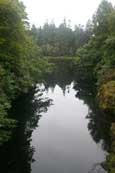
(64, 142)
(99, 122)
(61, 76)
(16, 156)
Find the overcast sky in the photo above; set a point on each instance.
(78, 11)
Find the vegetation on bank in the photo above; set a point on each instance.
(92, 51)
(94, 47)
(95, 63)
(62, 40)
(97, 57)
(20, 62)
(110, 161)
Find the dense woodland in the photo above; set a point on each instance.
(28, 54)
(93, 46)
(20, 62)
(61, 41)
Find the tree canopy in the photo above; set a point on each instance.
(20, 63)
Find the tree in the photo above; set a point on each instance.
(19, 60)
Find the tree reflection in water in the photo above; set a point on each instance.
(99, 122)
(99, 125)
(17, 154)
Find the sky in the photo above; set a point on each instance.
(78, 11)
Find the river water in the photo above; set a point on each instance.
(62, 141)
(58, 132)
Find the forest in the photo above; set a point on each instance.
(92, 45)
(29, 54)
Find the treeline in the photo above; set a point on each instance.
(61, 40)
(96, 59)
(22, 48)
(20, 62)
(96, 66)
(94, 47)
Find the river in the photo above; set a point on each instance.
(59, 131)
(62, 141)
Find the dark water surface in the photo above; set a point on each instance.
(62, 141)
(58, 132)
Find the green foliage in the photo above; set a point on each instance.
(106, 95)
(93, 45)
(110, 160)
(20, 63)
(97, 57)
(100, 19)
(21, 49)
(60, 41)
